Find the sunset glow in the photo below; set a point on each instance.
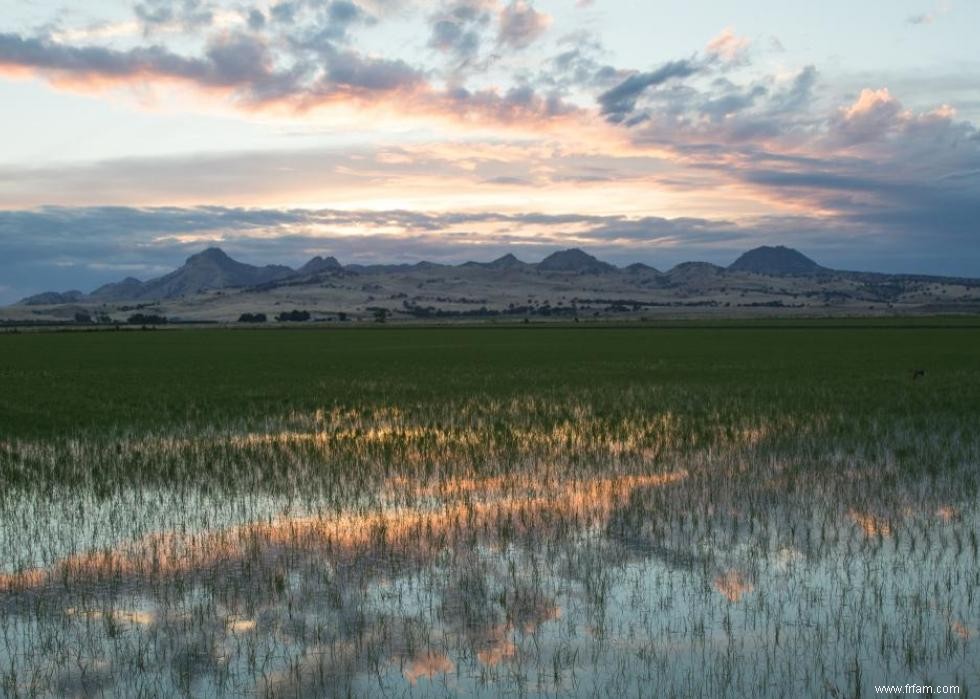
(731, 128)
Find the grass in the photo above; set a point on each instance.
(58, 384)
(687, 511)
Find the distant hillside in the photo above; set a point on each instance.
(775, 261)
(573, 260)
(51, 298)
(502, 263)
(687, 272)
(128, 288)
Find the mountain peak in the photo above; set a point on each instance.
(641, 268)
(208, 269)
(776, 260)
(52, 298)
(693, 270)
(320, 264)
(213, 255)
(573, 260)
(505, 262)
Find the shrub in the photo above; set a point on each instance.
(146, 319)
(293, 316)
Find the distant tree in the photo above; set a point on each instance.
(252, 318)
(293, 316)
(342, 316)
(380, 315)
(146, 319)
(83, 317)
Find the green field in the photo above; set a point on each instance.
(765, 509)
(56, 384)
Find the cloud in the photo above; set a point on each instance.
(187, 14)
(284, 12)
(251, 72)
(450, 36)
(799, 93)
(868, 166)
(732, 101)
(256, 19)
(871, 102)
(319, 26)
(348, 69)
(870, 117)
(458, 28)
(619, 102)
(728, 47)
(580, 65)
(922, 18)
(238, 62)
(521, 25)
(877, 116)
(881, 166)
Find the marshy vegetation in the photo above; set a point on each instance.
(480, 512)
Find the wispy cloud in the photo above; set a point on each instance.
(942, 8)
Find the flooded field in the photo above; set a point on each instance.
(781, 514)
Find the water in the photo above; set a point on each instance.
(720, 575)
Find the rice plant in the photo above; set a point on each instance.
(624, 525)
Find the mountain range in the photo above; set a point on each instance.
(211, 285)
(214, 269)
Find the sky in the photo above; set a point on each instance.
(133, 134)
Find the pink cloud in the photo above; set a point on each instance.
(521, 24)
(728, 46)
